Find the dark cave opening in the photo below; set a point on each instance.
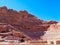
(22, 40)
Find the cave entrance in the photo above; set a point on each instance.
(22, 40)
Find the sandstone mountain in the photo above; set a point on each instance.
(23, 20)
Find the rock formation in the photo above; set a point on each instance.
(54, 26)
(23, 22)
(22, 19)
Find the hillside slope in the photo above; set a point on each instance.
(23, 19)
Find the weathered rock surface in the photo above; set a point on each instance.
(23, 22)
(23, 19)
(54, 26)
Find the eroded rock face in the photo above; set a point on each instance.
(24, 22)
(3, 10)
(51, 22)
(23, 19)
(54, 26)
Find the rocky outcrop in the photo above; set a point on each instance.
(23, 19)
(54, 26)
(22, 24)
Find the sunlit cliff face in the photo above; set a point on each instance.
(54, 27)
(23, 19)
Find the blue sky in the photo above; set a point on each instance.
(42, 9)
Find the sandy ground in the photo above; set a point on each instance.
(21, 44)
(25, 44)
(4, 43)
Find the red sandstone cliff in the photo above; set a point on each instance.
(23, 19)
